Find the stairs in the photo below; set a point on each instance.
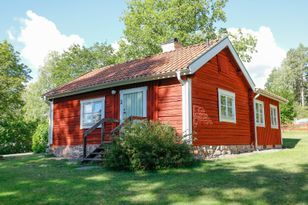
(96, 155)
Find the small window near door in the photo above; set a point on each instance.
(91, 111)
(274, 117)
(226, 100)
(259, 110)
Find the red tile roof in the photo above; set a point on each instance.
(154, 65)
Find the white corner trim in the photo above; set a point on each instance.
(134, 90)
(279, 112)
(50, 130)
(276, 113)
(228, 94)
(208, 55)
(82, 102)
(187, 109)
(263, 116)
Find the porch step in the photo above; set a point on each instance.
(96, 155)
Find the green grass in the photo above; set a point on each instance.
(279, 177)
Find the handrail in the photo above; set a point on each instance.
(102, 122)
(91, 129)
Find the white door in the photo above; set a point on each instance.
(133, 102)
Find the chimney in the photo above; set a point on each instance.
(171, 45)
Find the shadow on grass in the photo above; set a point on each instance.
(290, 142)
(212, 182)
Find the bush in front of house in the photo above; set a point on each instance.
(40, 138)
(148, 145)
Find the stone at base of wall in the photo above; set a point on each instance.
(71, 151)
(215, 151)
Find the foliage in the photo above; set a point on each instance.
(15, 135)
(60, 69)
(148, 145)
(13, 76)
(302, 112)
(150, 23)
(40, 138)
(289, 80)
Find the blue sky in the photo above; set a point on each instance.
(278, 25)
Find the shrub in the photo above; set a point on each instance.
(148, 145)
(40, 138)
(15, 135)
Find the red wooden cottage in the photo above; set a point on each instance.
(202, 90)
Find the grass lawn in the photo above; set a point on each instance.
(279, 177)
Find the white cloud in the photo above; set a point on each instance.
(269, 54)
(10, 35)
(39, 36)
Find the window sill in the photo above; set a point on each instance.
(88, 127)
(276, 128)
(225, 120)
(260, 125)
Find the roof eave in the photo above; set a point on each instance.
(166, 75)
(270, 95)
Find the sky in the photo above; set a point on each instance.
(37, 27)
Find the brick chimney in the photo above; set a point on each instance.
(171, 45)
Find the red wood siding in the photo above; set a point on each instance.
(220, 72)
(268, 135)
(169, 103)
(163, 103)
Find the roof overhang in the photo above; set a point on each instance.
(270, 95)
(118, 83)
(218, 47)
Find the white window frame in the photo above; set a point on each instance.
(263, 116)
(82, 102)
(134, 90)
(276, 113)
(228, 94)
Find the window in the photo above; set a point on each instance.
(226, 102)
(274, 116)
(259, 110)
(91, 112)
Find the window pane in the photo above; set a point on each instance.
(223, 111)
(133, 104)
(97, 107)
(230, 102)
(87, 107)
(96, 116)
(230, 113)
(223, 100)
(87, 119)
(261, 114)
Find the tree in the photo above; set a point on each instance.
(15, 133)
(77, 61)
(59, 69)
(290, 81)
(295, 65)
(149, 23)
(13, 76)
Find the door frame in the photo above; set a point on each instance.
(134, 90)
